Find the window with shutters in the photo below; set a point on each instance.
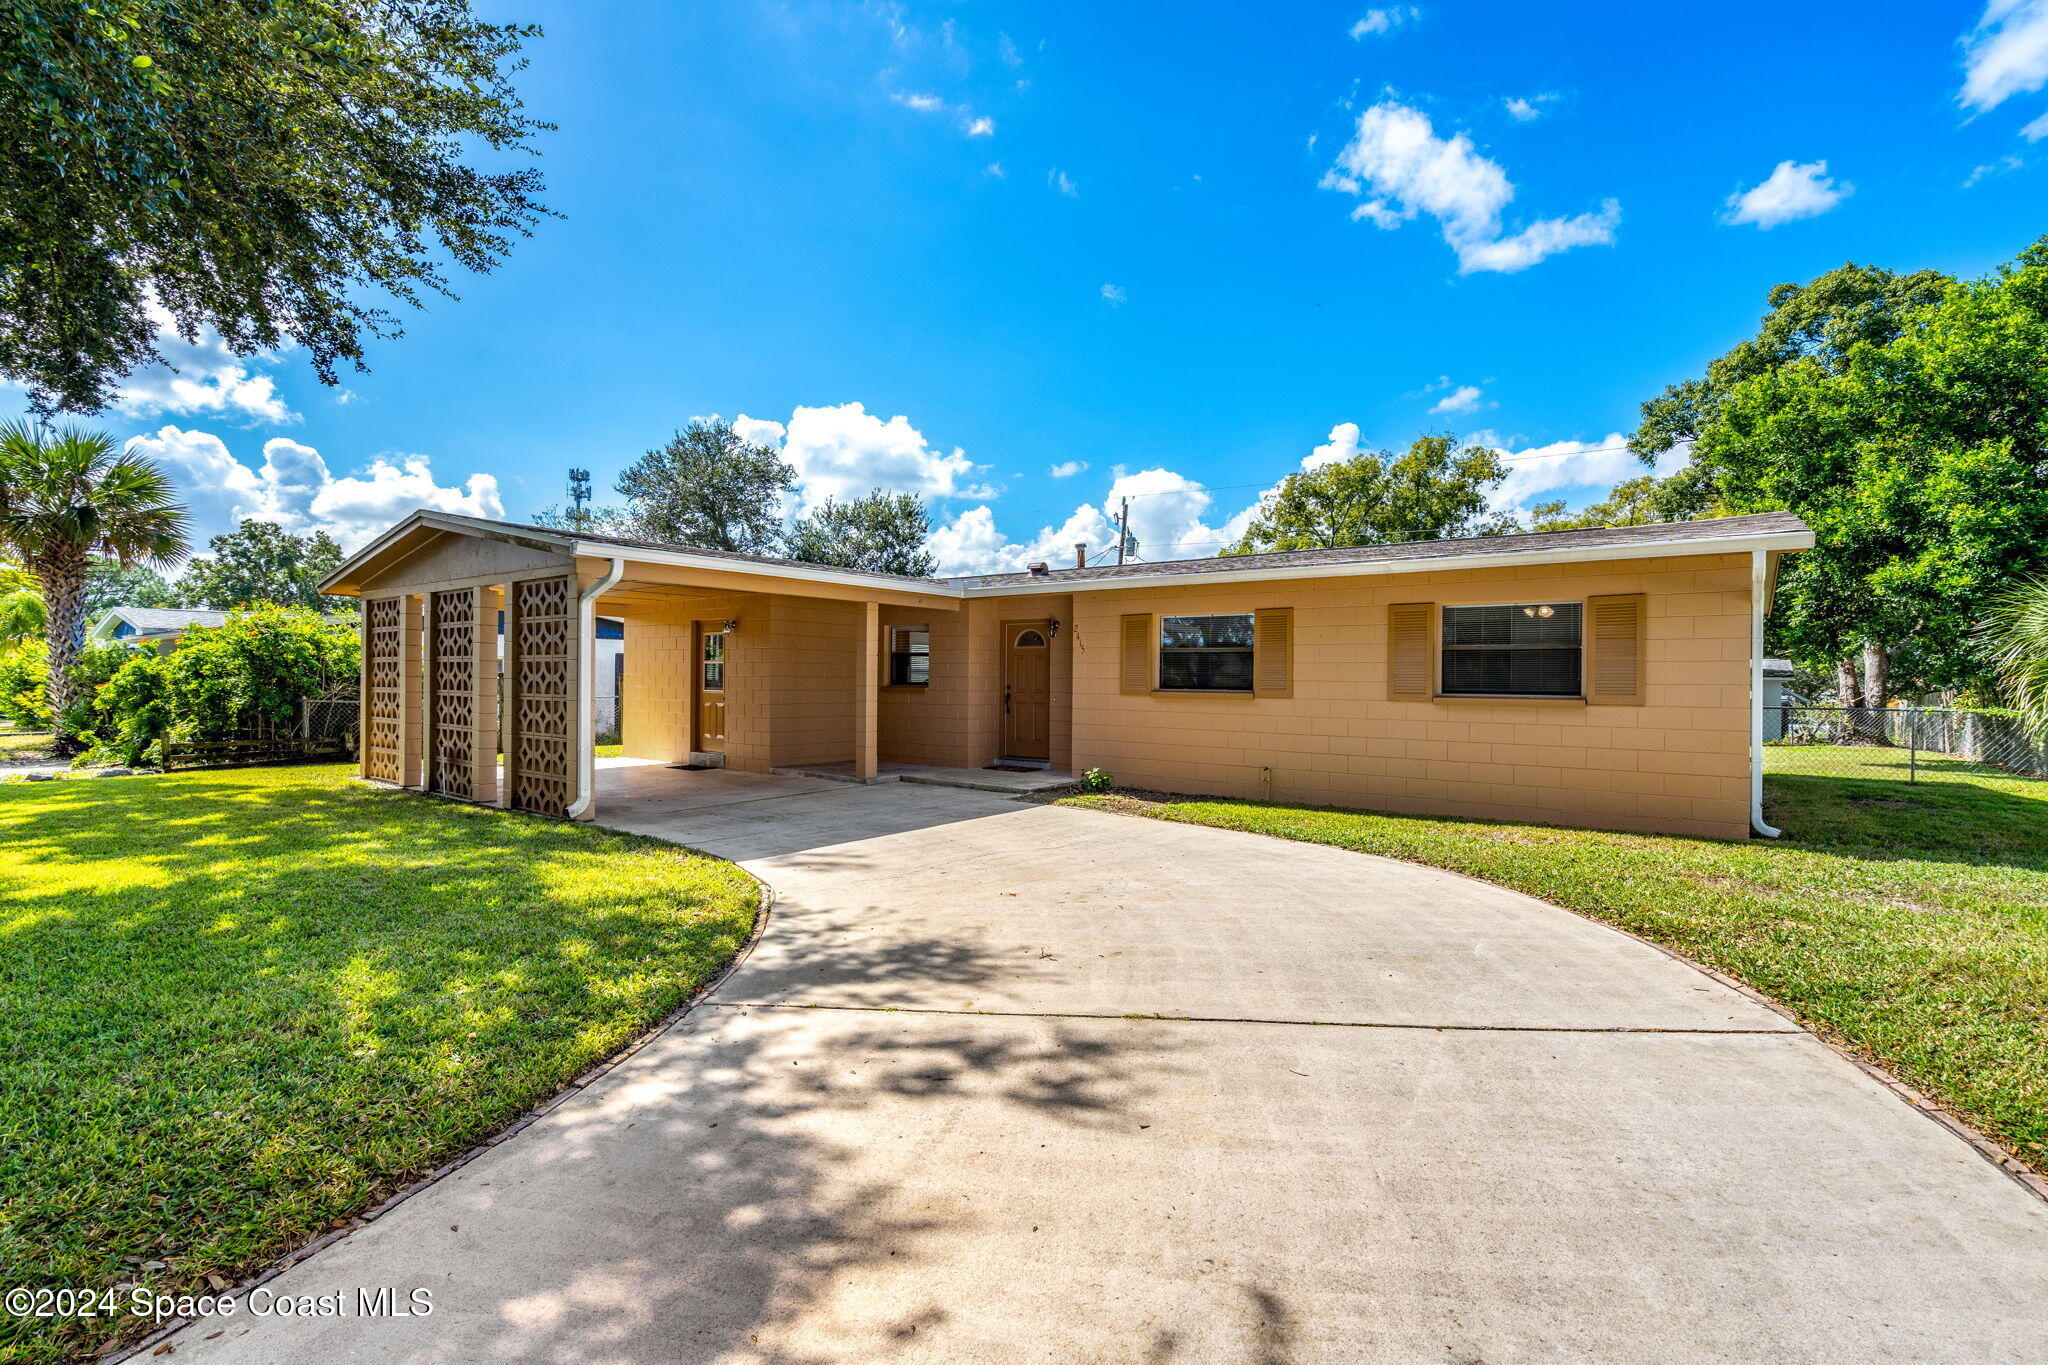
(1205, 653)
(1522, 650)
(910, 656)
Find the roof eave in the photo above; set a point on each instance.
(802, 573)
(336, 583)
(1703, 545)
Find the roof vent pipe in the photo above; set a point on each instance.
(586, 688)
(1081, 555)
(1038, 570)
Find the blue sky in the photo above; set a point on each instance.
(1060, 253)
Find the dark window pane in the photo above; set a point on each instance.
(1513, 625)
(1206, 670)
(1205, 632)
(910, 655)
(1517, 672)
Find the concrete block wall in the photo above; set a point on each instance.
(812, 646)
(1679, 763)
(655, 708)
(932, 724)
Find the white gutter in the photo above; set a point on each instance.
(586, 688)
(1759, 586)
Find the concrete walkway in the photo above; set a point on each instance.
(1006, 1082)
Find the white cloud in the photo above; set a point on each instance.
(844, 451)
(1794, 190)
(1170, 518)
(1538, 473)
(1530, 108)
(1114, 294)
(2005, 165)
(1397, 159)
(1342, 445)
(202, 376)
(995, 168)
(1464, 398)
(2036, 130)
(295, 488)
(1057, 179)
(2006, 54)
(923, 104)
(978, 127)
(1377, 21)
(1067, 469)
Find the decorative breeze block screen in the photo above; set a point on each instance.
(451, 703)
(384, 679)
(544, 715)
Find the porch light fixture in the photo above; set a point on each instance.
(1545, 610)
(1052, 628)
(732, 627)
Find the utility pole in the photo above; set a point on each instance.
(1123, 530)
(579, 498)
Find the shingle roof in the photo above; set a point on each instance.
(1468, 547)
(150, 620)
(627, 543)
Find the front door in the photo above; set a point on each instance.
(711, 693)
(1027, 689)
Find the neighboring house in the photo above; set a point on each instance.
(1778, 695)
(150, 625)
(611, 669)
(1600, 677)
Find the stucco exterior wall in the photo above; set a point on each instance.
(1679, 763)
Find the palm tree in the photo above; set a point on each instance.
(66, 497)
(2016, 635)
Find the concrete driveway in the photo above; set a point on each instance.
(1004, 1082)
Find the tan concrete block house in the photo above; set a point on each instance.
(1603, 677)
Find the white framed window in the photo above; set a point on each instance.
(910, 656)
(1521, 649)
(1205, 653)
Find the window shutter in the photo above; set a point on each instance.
(1614, 649)
(1273, 652)
(1138, 660)
(1410, 659)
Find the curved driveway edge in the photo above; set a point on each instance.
(957, 1106)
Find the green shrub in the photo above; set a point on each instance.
(24, 683)
(247, 674)
(1095, 781)
(137, 702)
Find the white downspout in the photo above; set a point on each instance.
(1759, 586)
(586, 687)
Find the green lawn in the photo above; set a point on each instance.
(1909, 922)
(235, 1006)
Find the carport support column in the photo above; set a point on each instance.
(867, 681)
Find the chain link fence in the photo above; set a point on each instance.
(1900, 743)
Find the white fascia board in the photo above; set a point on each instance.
(1670, 549)
(801, 573)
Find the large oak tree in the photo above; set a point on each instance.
(271, 169)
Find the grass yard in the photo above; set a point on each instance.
(237, 1006)
(1909, 922)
